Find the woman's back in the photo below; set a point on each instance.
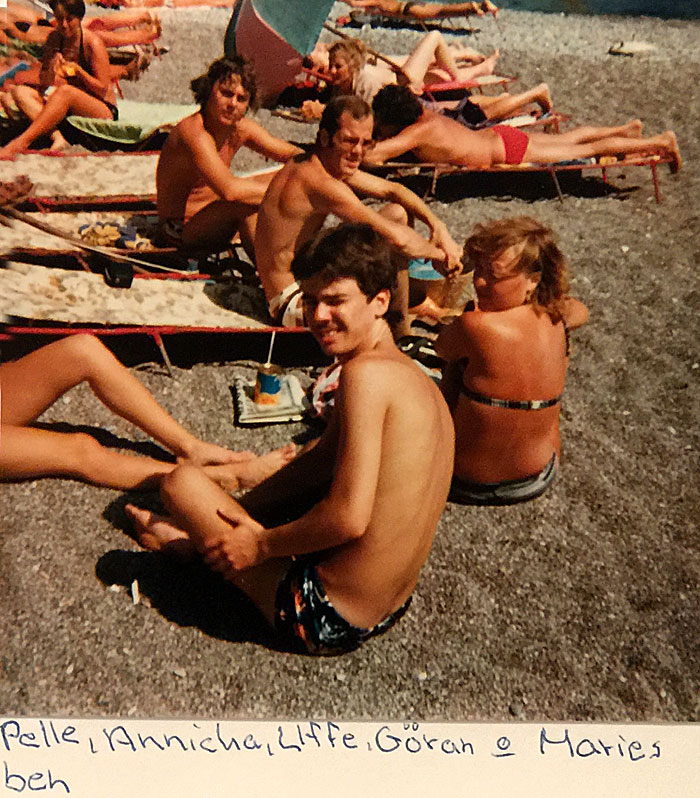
(507, 413)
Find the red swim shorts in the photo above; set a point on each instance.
(514, 141)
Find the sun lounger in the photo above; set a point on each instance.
(358, 18)
(437, 170)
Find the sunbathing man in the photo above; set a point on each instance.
(404, 126)
(201, 205)
(357, 511)
(310, 187)
(423, 11)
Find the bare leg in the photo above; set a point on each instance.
(33, 383)
(432, 48)
(546, 148)
(29, 453)
(425, 11)
(586, 134)
(505, 105)
(28, 100)
(159, 533)
(199, 508)
(64, 101)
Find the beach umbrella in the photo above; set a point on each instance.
(274, 35)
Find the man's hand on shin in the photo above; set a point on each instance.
(236, 547)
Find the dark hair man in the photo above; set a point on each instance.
(359, 509)
(328, 181)
(201, 205)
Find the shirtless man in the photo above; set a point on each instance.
(311, 187)
(403, 126)
(359, 509)
(201, 205)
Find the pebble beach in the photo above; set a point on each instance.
(582, 605)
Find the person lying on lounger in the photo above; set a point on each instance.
(330, 548)
(33, 383)
(403, 125)
(423, 11)
(329, 181)
(133, 26)
(201, 205)
(75, 79)
(431, 61)
(507, 359)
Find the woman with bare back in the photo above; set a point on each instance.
(33, 383)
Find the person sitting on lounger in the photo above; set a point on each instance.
(75, 79)
(423, 11)
(330, 548)
(201, 205)
(33, 383)
(403, 125)
(329, 180)
(507, 359)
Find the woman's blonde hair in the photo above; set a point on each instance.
(353, 51)
(540, 256)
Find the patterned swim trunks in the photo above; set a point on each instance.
(310, 623)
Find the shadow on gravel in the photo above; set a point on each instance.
(528, 186)
(188, 594)
(109, 439)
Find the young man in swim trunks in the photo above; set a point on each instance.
(328, 180)
(201, 205)
(404, 126)
(357, 512)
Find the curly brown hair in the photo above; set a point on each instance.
(223, 69)
(540, 255)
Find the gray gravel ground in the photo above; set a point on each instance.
(582, 605)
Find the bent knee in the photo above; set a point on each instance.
(179, 484)
(84, 349)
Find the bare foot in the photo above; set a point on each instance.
(9, 151)
(58, 143)
(632, 129)
(158, 533)
(673, 151)
(255, 471)
(204, 454)
(543, 98)
(489, 63)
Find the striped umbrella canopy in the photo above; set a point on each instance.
(274, 34)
